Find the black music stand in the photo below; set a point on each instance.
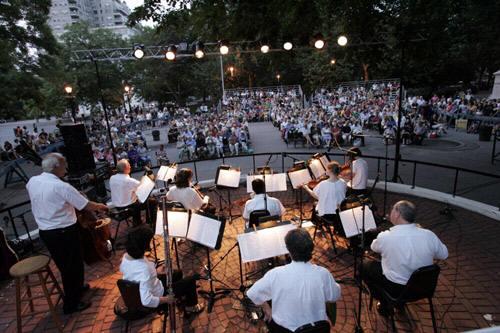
(299, 175)
(207, 230)
(227, 178)
(349, 219)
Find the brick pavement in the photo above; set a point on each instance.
(467, 289)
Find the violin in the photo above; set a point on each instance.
(206, 207)
(345, 171)
(313, 183)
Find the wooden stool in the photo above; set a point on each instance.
(38, 266)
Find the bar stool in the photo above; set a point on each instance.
(38, 266)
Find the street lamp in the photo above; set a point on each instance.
(319, 41)
(333, 61)
(287, 46)
(231, 70)
(223, 47)
(342, 40)
(68, 89)
(278, 77)
(128, 91)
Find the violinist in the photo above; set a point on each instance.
(185, 193)
(329, 193)
(53, 204)
(359, 172)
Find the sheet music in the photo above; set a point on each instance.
(299, 178)
(229, 178)
(263, 244)
(352, 220)
(274, 183)
(166, 173)
(204, 230)
(177, 223)
(317, 168)
(324, 160)
(144, 189)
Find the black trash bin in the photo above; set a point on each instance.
(156, 135)
(485, 132)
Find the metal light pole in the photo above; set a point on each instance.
(222, 78)
(68, 89)
(99, 85)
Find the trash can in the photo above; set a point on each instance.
(485, 132)
(156, 135)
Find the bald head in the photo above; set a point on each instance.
(123, 166)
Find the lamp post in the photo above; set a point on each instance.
(128, 92)
(105, 109)
(68, 89)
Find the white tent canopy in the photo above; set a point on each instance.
(495, 94)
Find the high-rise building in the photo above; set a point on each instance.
(109, 14)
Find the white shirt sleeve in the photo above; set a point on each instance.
(147, 298)
(331, 288)
(260, 292)
(246, 214)
(72, 196)
(441, 251)
(377, 242)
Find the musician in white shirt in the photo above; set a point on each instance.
(300, 291)
(261, 201)
(53, 204)
(404, 248)
(184, 193)
(359, 175)
(135, 267)
(123, 188)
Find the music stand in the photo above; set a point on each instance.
(318, 164)
(178, 222)
(207, 230)
(299, 175)
(167, 173)
(274, 182)
(227, 178)
(349, 219)
(144, 189)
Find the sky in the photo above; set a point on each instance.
(134, 3)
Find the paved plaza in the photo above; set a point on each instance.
(466, 297)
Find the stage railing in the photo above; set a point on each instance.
(457, 181)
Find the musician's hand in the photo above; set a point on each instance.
(169, 299)
(268, 313)
(102, 208)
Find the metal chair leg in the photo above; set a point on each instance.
(433, 317)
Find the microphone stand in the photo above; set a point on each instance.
(359, 328)
(264, 176)
(168, 270)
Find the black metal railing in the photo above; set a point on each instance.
(205, 170)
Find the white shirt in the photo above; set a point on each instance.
(144, 272)
(53, 201)
(360, 170)
(274, 206)
(330, 195)
(299, 292)
(123, 189)
(187, 196)
(405, 248)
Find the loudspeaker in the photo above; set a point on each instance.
(73, 134)
(77, 149)
(80, 158)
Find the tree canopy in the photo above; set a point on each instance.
(429, 44)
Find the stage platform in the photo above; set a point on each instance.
(467, 295)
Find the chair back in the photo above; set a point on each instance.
(255, 215)
(322, 326)
(422, 284)
(133, 308)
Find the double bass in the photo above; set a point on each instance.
(95, 236)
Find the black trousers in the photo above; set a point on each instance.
(65, 249)
(275, 328)
(373, 276)
(184, 288)
(137, 207)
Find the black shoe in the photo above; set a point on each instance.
(383, 310)
(85, 287)
(80, 307)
